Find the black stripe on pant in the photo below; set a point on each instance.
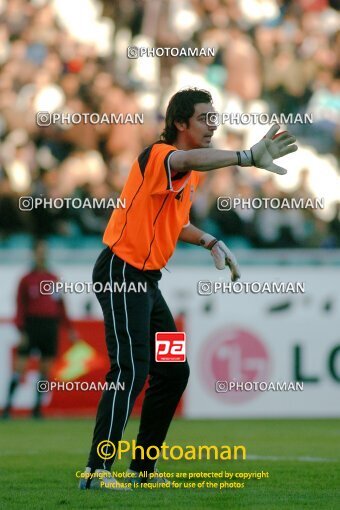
(131, 321)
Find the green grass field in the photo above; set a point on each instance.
(38, 461)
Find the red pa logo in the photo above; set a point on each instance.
(170, 346)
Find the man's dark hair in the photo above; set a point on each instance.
(180, 108)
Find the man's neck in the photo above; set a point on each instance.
(38, 267)
(182, 145)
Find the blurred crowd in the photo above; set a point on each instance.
(271, 56)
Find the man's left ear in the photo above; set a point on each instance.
(181, 126)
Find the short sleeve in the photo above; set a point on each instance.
(158, 171)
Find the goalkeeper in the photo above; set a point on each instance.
(140, 240)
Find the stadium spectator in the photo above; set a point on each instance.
(276, 57)
(334, 226)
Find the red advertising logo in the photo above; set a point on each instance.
(170, 346)
(234, 354)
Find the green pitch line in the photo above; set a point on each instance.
(38, 462)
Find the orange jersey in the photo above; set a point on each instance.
(144, 234)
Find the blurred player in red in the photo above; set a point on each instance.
(38, 319)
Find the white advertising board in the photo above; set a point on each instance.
(236, 337)
(261, 337)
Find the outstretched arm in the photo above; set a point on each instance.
(260, 155)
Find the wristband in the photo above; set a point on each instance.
(208, 241)
(245, 158)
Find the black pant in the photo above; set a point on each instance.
(42, 336)
(131, 322)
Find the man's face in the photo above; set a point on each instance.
(198, 133)
(40, 255)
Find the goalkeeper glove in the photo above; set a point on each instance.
(266, 150)
(222, 255)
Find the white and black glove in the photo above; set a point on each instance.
(222, 255)
(269, 148)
